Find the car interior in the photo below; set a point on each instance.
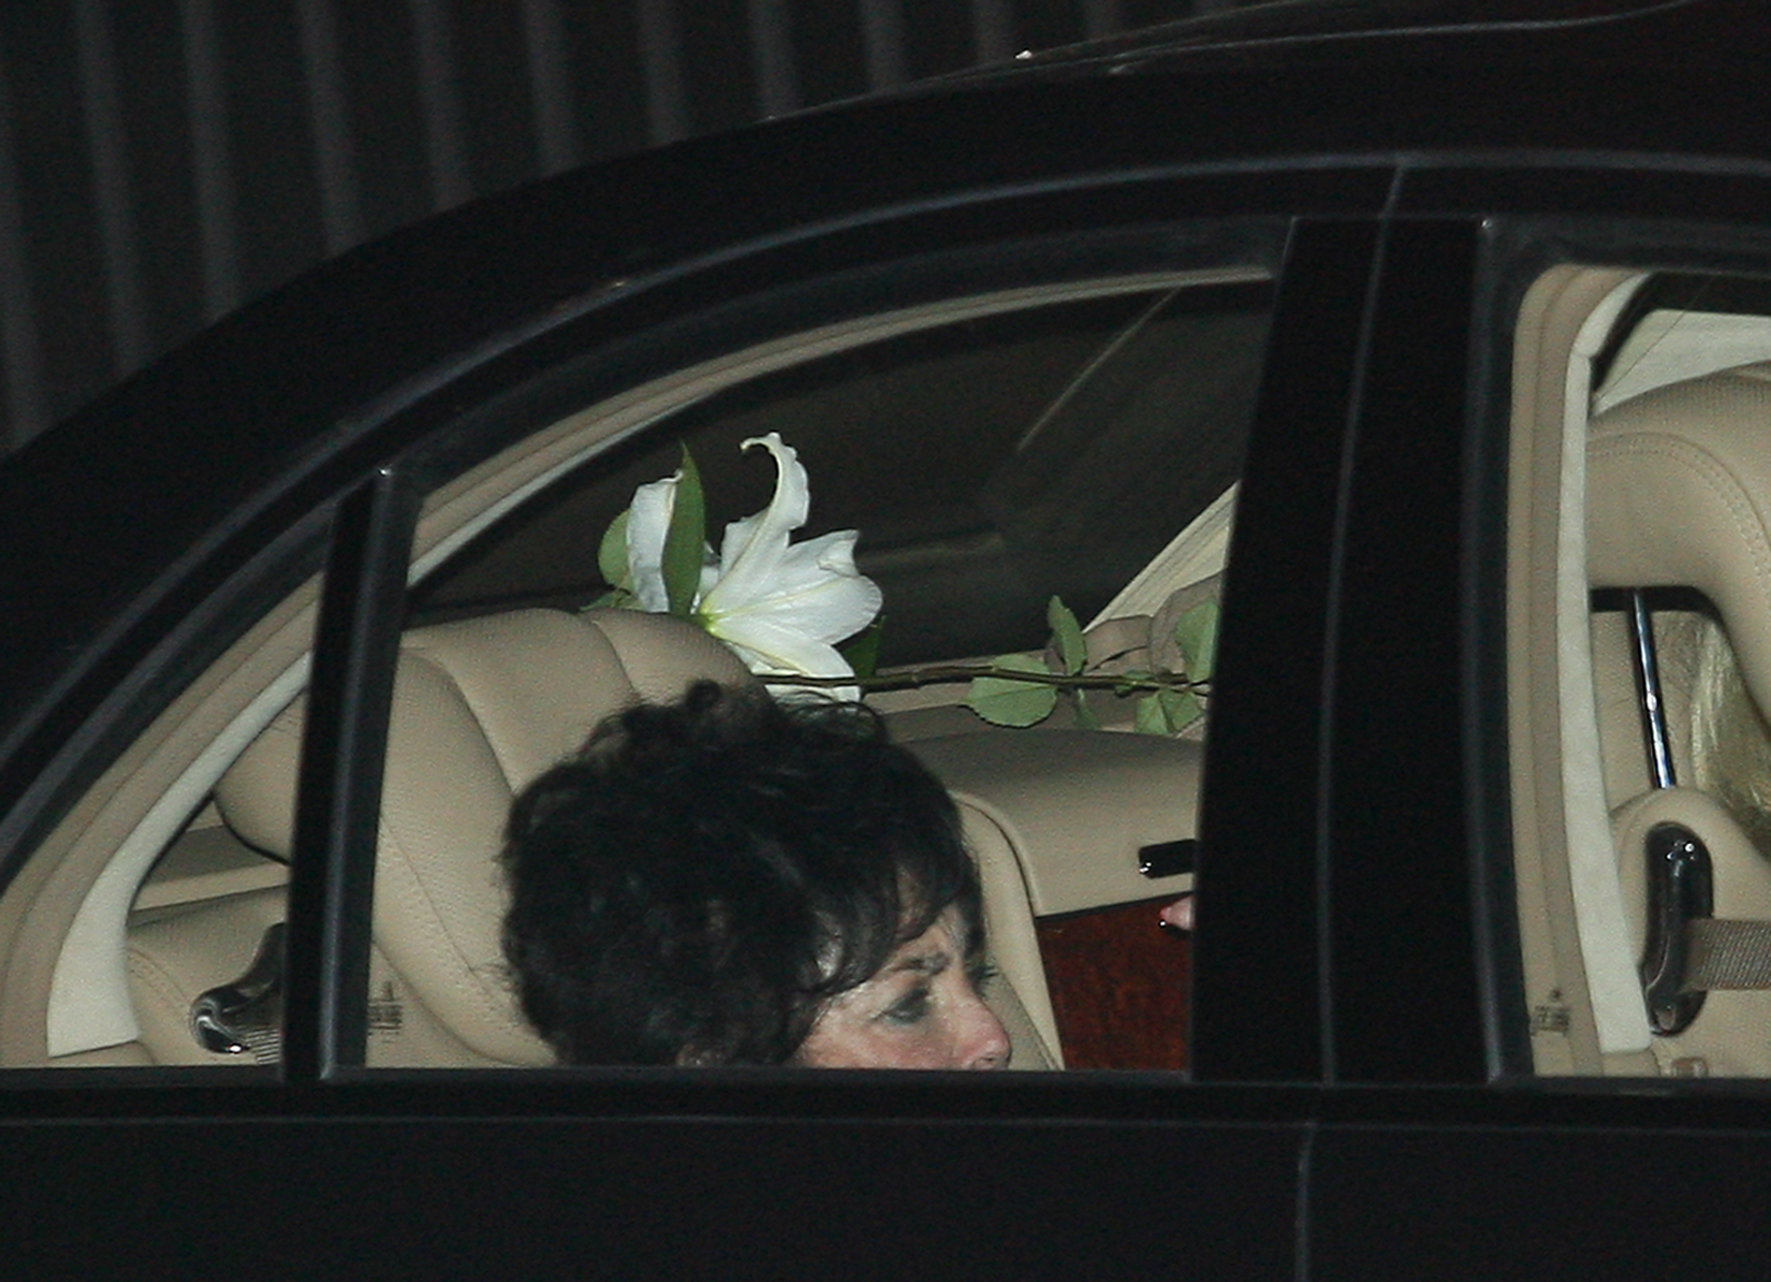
(1071, 394)
(1641, 493)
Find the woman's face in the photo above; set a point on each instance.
(922, 1009)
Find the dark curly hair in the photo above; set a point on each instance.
(702, 877)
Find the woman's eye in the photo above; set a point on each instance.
(981, 973)
(912, 1008)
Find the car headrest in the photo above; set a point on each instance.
(1679, 495)
(512, 667)
(480, 708)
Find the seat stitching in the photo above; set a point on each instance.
(1706, 469)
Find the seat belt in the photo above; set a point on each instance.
(1721, 954)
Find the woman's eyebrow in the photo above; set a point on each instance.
(930, 963)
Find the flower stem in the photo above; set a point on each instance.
(949, 673)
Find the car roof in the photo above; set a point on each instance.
(1383, 29)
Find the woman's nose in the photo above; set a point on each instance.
(986, 1045)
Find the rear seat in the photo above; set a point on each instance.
(481, 707)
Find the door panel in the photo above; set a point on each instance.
(1560, 1191)
(485, 1196)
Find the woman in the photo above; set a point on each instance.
(727, 880)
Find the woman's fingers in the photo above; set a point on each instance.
(1178, 915)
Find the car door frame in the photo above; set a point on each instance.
(1116, 1169)
(1480, 1169)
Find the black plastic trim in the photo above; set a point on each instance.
(1258, 1012)
(344, 746)
(1398, 831)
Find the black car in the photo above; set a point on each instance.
(1425, 347)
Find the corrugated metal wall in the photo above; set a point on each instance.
(164, 161)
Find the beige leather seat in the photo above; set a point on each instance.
(1679, 494)
(480, 708)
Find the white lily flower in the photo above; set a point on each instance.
(782, 607)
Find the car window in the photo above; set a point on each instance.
(1078, 442)
(993, 454)
(144, 889)
(1637, 619)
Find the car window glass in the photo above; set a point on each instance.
(1078, 442)
(1639, 628)
(145, 929)
(993, 454)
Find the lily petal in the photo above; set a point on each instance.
(771, 650)
(753, 547)
(815, 590)
(648, 523)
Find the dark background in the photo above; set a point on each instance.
(164, 161)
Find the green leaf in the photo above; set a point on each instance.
(685, 541)
(1067, 635)
(1150, 717)
(613, 599)
(862, 649)
(1181, 707)
(1196, 633)
(611, 554)
(1085, 715)
(1168, 712)
(1004, 701)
